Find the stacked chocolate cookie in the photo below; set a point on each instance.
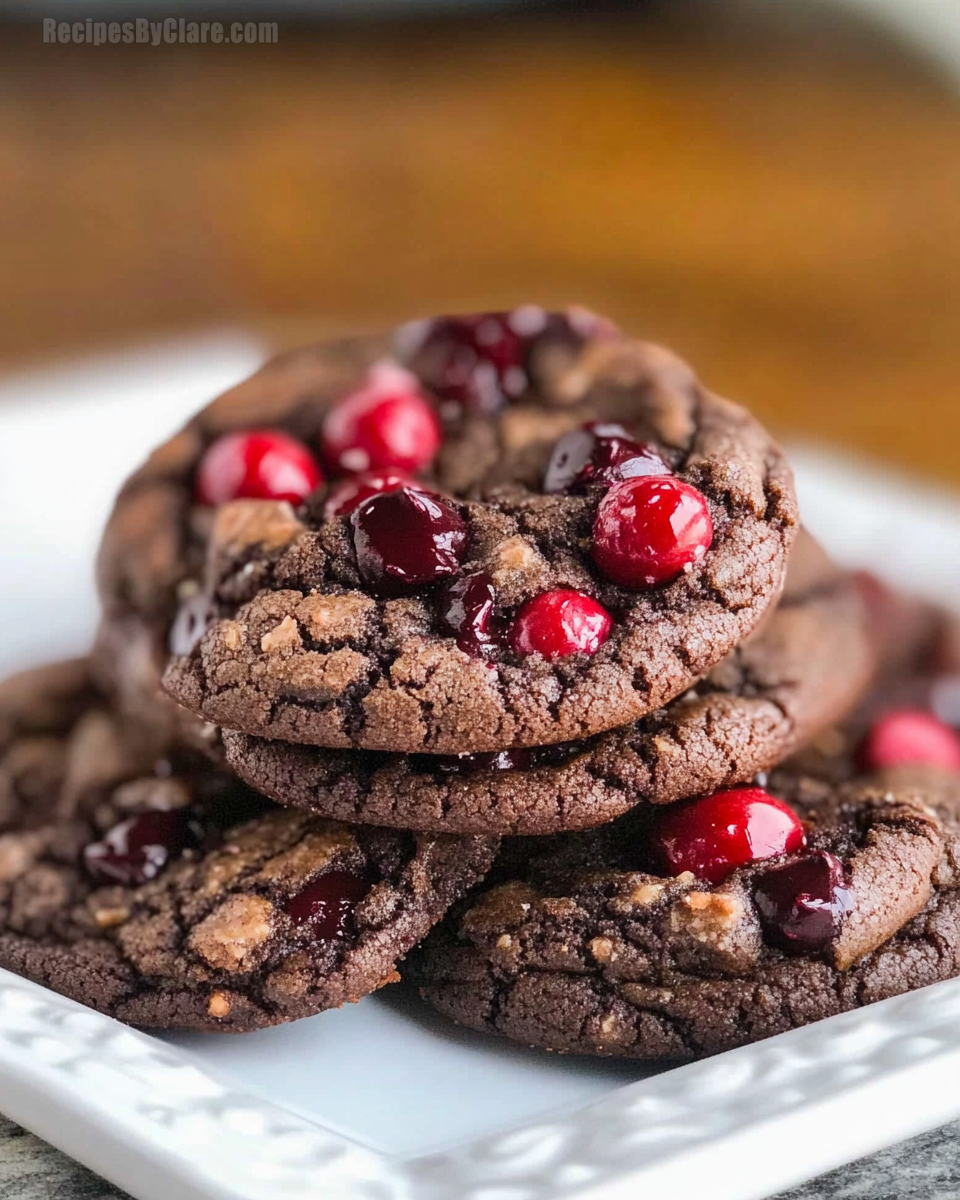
(495, 627)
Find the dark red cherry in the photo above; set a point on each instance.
(387, 423)
(477, 361)
(324, 908)
(559, 623)
(649, 530)
(802, 903)
(347, 494)
(715, 834)
(465, 608)
(138, 848)
(599, 454)
(260, 464)
(406, 539)
(910, 735)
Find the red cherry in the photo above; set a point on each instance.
(260, 464)
(910, 735)
(348, 494)
(715, 834)
(387, 423)
(407, 539)
(138, 848)
(558, 623)
(325, 907)
(479, 361)
(648, 530)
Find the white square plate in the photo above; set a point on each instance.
(382, 1100)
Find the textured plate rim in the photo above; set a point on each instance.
(151, 1120)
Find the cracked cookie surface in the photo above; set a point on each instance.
(133, 883)
(580, 949)
(688, 981)
(300, 649)
(799, 672)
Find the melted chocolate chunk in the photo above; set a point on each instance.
(520, 758)
(802, 903)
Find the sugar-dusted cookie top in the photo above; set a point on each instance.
(799, 672)
(144, 882)
(495, 532)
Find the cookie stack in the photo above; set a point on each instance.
(495, 640)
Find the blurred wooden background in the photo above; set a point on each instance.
(776, 195)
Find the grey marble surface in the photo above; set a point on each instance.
(925, 1168)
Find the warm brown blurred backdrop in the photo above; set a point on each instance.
(777, 195)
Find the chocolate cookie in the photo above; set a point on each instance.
(150, 562)
(590, 946)
(589, 532)
(911, 713)
(802, 670)
(163, 892)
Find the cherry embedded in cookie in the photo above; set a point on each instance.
(910, 735)
(387, 423)
(347, 494)
(325, 907)
(601, 454)
(802, 903)
(715, 834)
(559, 623)
(260, 464)
(649, 530)
(137, 849)
(407, 539)
(465, 609)
(477, 361)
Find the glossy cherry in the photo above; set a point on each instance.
(477, 361)
(715, 834)
(802, 903)
(649, 530)
(324, 908)
(259, 464)
(559, 623)
(387, 423)
(465, 608)
(599, 454)
(910, 735)
(406, 539)
(347, 494)
(137, 849)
